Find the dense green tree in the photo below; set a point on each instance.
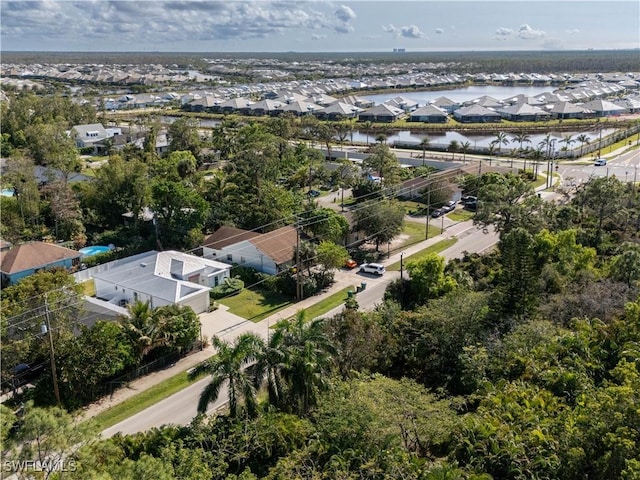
(48, 436)
(625, 266)
(385, 164)
(119, 187)
(518, 278)
(507, 201)
(601, 204)
(358, 339)
(181, 212)
(183, 135)
(326, 224)
(85, 362)
(428, 279)
(331, 256)
(380, 220)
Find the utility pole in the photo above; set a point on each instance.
(426, 233)
(298, 267)
(46, 328)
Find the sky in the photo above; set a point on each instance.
(317, 25)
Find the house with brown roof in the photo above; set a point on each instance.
(269, 252)
(28, 258)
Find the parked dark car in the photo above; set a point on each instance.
(438, 212)
(313, 193)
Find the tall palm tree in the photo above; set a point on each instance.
(271, 360)
(568, 140)
(229, 365)
(583, 138)
(454, 146)
(465, 146)
(501, 139)
(520, 138)
(366, 126)
(424, 144)
(309, 357)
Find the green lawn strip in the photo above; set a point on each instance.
(142, 400)
(255, 304)
(435, 248)
(416, 232)
(327, 304)
(460, 215)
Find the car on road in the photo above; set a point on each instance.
(351, 263)
(438, 212)
(600, 162)
(375, 268)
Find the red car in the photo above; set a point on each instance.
(350, 263)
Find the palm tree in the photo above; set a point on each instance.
(229, 365)
(521, 138)
(465, 148)
(270, 362)
(454, 146)
(501, 139)
(424, 144)
(583, 138)
(309, 356)
(366, 126)
(144, 330)
(568, 140)
(491, 150)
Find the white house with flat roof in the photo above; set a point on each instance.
(161, 278)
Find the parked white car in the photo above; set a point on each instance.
(375, 268)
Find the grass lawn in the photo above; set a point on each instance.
(435, 248)
(255, 304)
(144, 399)
(416, 230)
(460, 215)
(329, 303)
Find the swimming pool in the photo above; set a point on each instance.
(94, 250)
(8, 192)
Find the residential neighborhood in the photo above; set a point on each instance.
(243, 267)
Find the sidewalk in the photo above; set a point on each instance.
(228, 326)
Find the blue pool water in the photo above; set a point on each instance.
(93, 250)
(7, 192)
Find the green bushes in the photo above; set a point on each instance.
(230, 286)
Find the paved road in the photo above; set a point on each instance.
(181, 407)
(626, 167)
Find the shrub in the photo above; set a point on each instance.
(230, 286)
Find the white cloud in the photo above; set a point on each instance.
(525, 32)
(439, 31)
(391, 28)
(503, 33)
(411, 31)
(407, 31)
(573, 31)
(317, 36)
(345, 14)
